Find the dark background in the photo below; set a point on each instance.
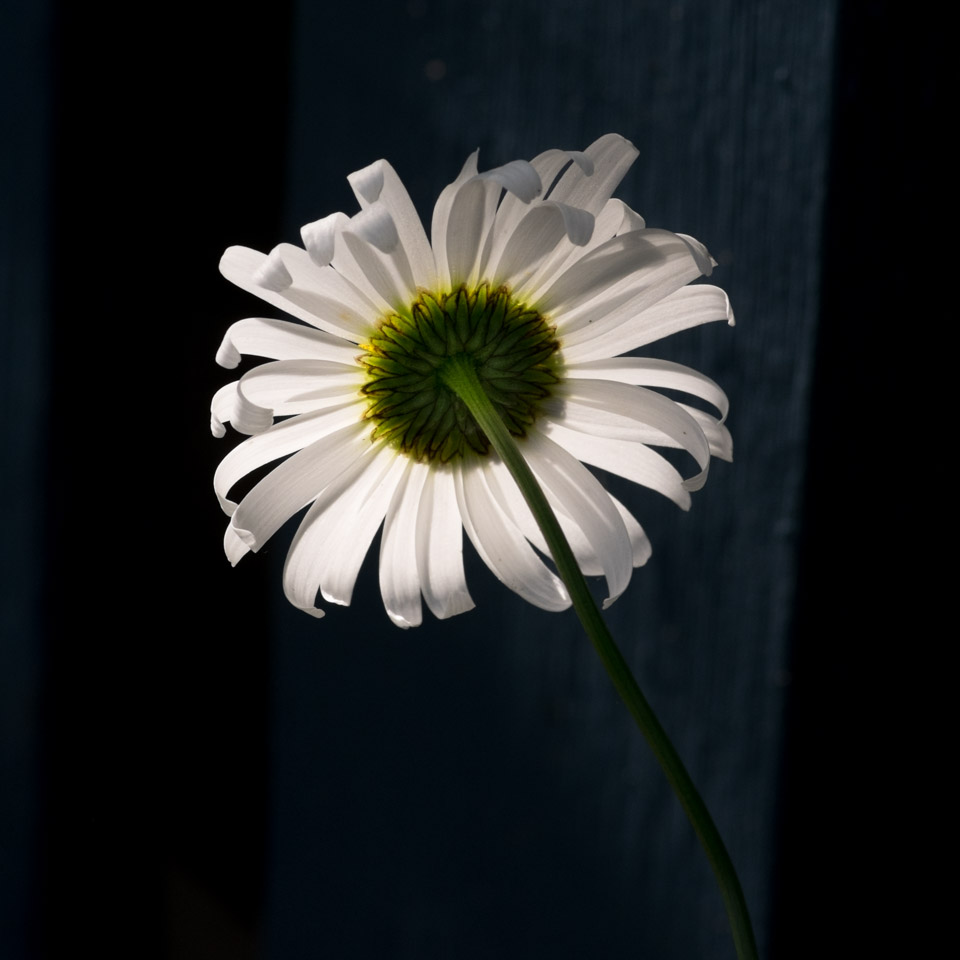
(192, 769)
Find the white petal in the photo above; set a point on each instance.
(632, 460)
(371, 246)
(611, 156)
(589, 506)
(467, 230)
(621, 411)
(233, 546)
(642, 266)
(229, 406)
(375, 225)
(505, 489)
(705, 263)
(399, 581)
(646, 372)
(512, 209)
(347, 527)
(517, 177)
(272, 275)
(501, 545)
(305, 563)
(284, 388)
(343, 281)
(626, 328)
(379, 182)
(515, 258)
(296, 482)
(639, 541)
(629, 219)
(336, 533)
(439, 547)
(716, 432)
(221, 408)
(280, 440)
(614, 219)
(586, 186)
(320, 296)
(471, 216)
(281, 340)
(342, 299)
(320, 237)
(441, 218)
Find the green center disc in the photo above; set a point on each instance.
(514, 351)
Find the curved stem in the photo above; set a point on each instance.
(459, 374)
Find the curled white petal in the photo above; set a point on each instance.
(272, 275)
(715, 431)
(371, 246)
(284, 388)
(335, 535)
(705, 263)
(501, 545)
(439, 546)
(505, 489)
(590, 182)
(639, 541)
(472, 208)
(518, 177)
(614, 219)
(281, 340)
(647, 372)
(512, 209)
(375, 225)
(441, 218)
(221, 408)
(320, 296)
(641, 266)
(626, 327)
(295, 483)
(587, 504)
(320, 237)
(280, 440)
(234, 548)
(513, 259)
(399, 579)
(632, 460)
(379, 183)
(621, 411)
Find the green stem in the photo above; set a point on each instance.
(459, 374)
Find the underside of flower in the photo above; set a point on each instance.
(512, 348)
(532, 289)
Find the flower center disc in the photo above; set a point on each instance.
(514, 352)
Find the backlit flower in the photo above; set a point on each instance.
(545, 282)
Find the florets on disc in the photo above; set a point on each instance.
(513, 349)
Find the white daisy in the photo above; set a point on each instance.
(543, 281)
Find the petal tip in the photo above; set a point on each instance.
(228, 356)
(461, 605)
(272, 275)
(402, 622)
(368, 182)
(248, 538)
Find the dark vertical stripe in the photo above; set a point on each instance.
(24, 344)
(169, 144)
(848, 827)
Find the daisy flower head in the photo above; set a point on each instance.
(534, 281)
